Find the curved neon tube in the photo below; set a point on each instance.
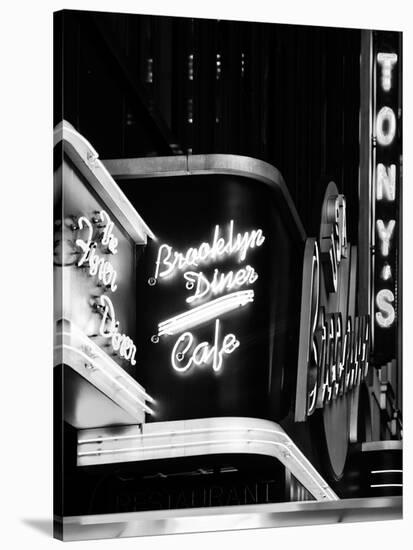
(205, 312)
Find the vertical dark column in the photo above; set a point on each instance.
(365, 174)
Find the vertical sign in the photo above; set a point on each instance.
(386, 192)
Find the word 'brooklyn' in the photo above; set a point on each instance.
(169, 260)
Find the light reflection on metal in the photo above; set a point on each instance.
(79, 351)
(386, 61)
(205, 436)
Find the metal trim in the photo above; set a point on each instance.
(154, 167)
(191, 520)
(200, 437)
(390, 445)
(80, 353)
(86, 160)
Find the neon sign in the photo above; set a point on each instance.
(203, 353)
(334, 342)
(219, 282)
(97, 265)
(385, 190)
(206, 312)
(170, 261)
(106, 275)
(211, 297)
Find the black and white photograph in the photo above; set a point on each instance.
(227, 274)
(205, 310)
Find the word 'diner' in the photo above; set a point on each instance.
(220, 281)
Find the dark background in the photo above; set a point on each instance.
(258, 378)
(285, 94)
(288, 95)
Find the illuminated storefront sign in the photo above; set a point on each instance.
(99, 233)
(334, 342)
(187, 352)
(334, 345)
(386, 192)
(217, 293)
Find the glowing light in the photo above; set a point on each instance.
(220, 281)
(169, 260)
(205, 312)
(108, 239)
(386, 272)
(387, 485)
(387, 471)
(203, 353)
(386, 61)
(386, 182)
(109, 328)
(386, 126)
(385, 233)
(98, 266)
(386, 316)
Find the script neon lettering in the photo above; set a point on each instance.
(109, 328)
(220, 282)
(384, 300)
(185, 355)
(97, 266)
(169, 260)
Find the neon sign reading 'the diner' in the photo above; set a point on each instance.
(210, 296)
(99, 231)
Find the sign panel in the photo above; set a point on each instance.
(387, 136)
(334, 341)
(94, 281)
(218, 297)
(96, 261)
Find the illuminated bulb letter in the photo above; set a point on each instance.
(386, 182)
(386, 272)
(386, 126)
(385, 233)
(386, 61)
(384, 299)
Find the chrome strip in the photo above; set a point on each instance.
(200, 437)
(190, 520)
(86, 159)
(76, 350)
(390, 445)
(238, 165)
